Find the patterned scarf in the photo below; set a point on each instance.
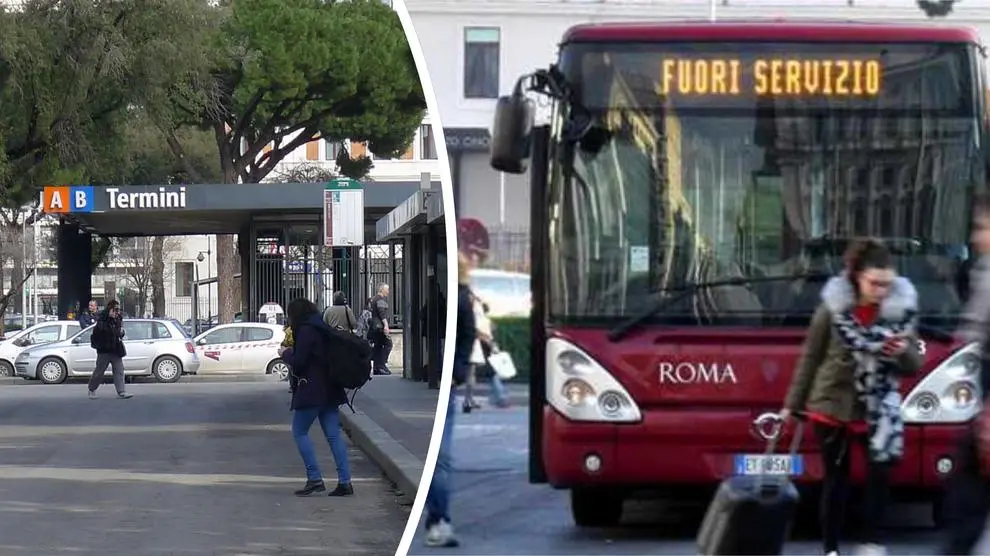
(876, 377)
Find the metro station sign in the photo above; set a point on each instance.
(81, 198)
(343, 213)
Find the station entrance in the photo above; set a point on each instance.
(279, 230)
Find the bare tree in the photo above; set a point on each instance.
(142, 274)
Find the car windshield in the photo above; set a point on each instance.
(702, 167)
(182, 328)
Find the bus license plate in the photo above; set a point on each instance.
(760, 464)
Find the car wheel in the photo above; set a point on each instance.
(167, 369)
(596, 508)
(280, 368)
(6, 369)
(52, 370)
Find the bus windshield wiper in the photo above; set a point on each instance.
(686, 290)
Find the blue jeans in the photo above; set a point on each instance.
(498, 395)
(302, 420)
(438, 497)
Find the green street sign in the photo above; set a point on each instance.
(343, 184)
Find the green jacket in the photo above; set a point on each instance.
(824, 381)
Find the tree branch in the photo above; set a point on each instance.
(180, 154)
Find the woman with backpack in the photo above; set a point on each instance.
(339, 315)
(861, 342)
(315, 397)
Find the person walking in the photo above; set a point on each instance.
(339, 315)
(861, 341)
(967, 495)
(315, 397)
(379, 331)
(439, 527)
(88, 317)
(484, 346)
(108, 341)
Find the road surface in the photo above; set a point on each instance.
(180, 469)
(496, 511)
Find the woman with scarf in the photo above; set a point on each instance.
(861, 342)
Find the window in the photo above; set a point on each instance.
(45, 334)
(161, 331)
(72, 329)
(259, 334)
(481, 62)
(85, 336)
(227, 335)
(137, 330)
(427, 148)
(184, 279)
(331, 149)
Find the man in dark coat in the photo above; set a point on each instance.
(88, 317)
(379, 332)
(315, 396)
(108, 340)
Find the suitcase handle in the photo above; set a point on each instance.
(769, 427)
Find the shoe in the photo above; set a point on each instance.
(92, 395)
(833, 553)
(871, 550)
(441, 535)
(311, 487)
(125, 395)
(342, 490)
(467, 408)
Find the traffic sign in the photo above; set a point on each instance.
(343, 213)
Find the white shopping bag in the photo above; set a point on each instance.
(501, 362)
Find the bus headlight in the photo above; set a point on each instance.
(582, 390)
(950, 393)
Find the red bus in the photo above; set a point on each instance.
(693, 188)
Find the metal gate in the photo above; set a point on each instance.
(288, 261)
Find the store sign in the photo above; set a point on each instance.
(467, 139)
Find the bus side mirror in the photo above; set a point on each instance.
(510, 145)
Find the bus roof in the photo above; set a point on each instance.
(769, 30)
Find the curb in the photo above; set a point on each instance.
(15, 381)
(398, 463)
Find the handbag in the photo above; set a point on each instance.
(501, 362)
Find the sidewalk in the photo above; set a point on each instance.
(393, 424)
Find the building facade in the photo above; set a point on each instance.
(476, 49)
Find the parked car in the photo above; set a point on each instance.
(250, 347)
(155, 347)
(505, 293)
(42, 333)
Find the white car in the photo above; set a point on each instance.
(243, 347)
(506, 293)
(41, 333)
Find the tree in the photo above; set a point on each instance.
(143, 259)
(292, 71)
(70, 73)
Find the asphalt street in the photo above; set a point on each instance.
(180, 469)
(496, 511)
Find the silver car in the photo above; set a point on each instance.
(155, 347)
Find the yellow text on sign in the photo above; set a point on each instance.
(776, 77)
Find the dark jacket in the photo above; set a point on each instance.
(379, 312)
(309, 359)
(86, 319)
(466, 334)
(824, 381)
(108, 336)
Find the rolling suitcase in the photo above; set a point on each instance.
(751, 514)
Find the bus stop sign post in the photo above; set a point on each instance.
(343, 213)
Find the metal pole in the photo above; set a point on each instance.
(712, 9)
(34, 277)
(24, 298)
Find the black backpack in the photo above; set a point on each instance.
(350, 360)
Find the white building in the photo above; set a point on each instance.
(476, 49)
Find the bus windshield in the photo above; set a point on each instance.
(708, 162)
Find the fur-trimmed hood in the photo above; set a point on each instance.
(839, 296)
